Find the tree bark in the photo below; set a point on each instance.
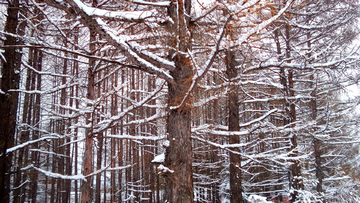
(233, 105)
(86, 190)
(179, 187)
(178, 157)
(24, 137)
(9, 99)
(36, 114)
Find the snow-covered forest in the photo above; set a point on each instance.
(179, 101)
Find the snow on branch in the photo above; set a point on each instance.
(264, 24)
(107, 168)
(146, 120)
(90, 20)
(105, 124)
(160, 158)
(58, 175)
(132, 137)
(259, 119)
(145, 64)
(208, 64)
(223, 146)
(120, 15)
(160, 4)
(28, 143)
(42, 72)
(47, 152)
(234, 133)
(79, 176)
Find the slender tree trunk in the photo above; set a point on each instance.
(76, 74)
(121, 156)
(291, 118)
(24, 137)
(36, 120)
(86, 190)
(67, 130)
(99, 150)
(150, 173)
(98, 167)
(9, 99)
(317, 142)
(53, 169)
(235, 159)
(30, 121)
(114, 131)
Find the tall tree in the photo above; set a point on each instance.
(10, 78)
(234, 125)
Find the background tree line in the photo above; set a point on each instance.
(178, 101)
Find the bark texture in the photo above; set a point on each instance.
(9, 99)
(179, 186)
(233, 122)
(179, 183)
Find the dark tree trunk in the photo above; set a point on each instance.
(179, 187)
(317, 142)
(36, 120)
(233, 105)
(67, 130)
(178, 157)
(98, 167)
(24, 137)
(287, 81)
(291, 118)
(9, 99)
(86, 190)
(75, 72)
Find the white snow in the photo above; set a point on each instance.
(123, 15)
(27, 143)
(257, 199)
(164, 169)
(166, 143)
(57, 175)
(159, 158)
(163, 3)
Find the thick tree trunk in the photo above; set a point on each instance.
(178, 157)
(9, 99)
(235, 159)
(179, 187)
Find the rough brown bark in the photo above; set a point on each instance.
(9, 99)
(76, 74)
(178, 157)
(36, 119)
(233, 122)
(287, 81)
(291, 117)
(24, 137)
(317, 142)
(86, 190)
(98, 167)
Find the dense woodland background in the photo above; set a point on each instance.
(179, 101)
